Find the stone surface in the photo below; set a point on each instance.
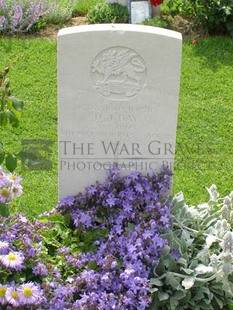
(139, 11)
(118, 91)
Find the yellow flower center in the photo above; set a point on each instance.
(2, 291)
(11, 256)
(5, 192)
(27, 292)
(13, 177)
(14, 295)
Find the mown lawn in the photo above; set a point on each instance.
(205, 124)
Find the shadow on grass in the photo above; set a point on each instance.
(214, 51)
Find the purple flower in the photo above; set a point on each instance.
(40, 269)
(67, 201)
(12, 260)
(138, 187)
(3, 22)
(91, 190)
(3, 246)
(29, 294)
(85, 219)
(12, 296)
(165, 219)
(111, 200)
(175, 254)
(127, 206)
(9, 187)
(5, 195)
(3, 5)
(3, 289)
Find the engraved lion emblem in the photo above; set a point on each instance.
(118, 72)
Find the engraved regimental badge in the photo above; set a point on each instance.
(118, 73)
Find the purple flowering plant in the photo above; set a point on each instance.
(93, 251)
(10, 188)
(115, 229)
(21, 251)
(22, 15)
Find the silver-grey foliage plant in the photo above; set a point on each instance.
(196, 268)
(62, 11)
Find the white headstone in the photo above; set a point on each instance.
(140, 10)
(118, 91)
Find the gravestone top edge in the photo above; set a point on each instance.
(120, 27)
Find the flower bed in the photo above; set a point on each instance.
(122, 244)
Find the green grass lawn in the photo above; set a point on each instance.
(205, 124)
(33, 79)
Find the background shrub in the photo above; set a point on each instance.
(83, 6)
(62, 12)
(162, 21)
(108, 13)
(216, 16)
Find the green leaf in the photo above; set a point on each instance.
(155, 281)
(199, 296)
(210, 220)
(187, 270)
(153, 290)
(217, 289)
(173, 303)
(67, 219)
(8, 102)
(159, 269)
(172, 263)
(179, 295)
(230, 26)
(4, 211)
(182, 261)
(17, 104)
(193, 264)
(172, 280)
(13, 119)
(231, 307)
(130, 227)
(3, 118)
(11, 162)
(92, 265)
(2, 153)
(55, 218)
(204, 305)
(165, 251)
(163, 296)
(219, 302)
(183, 247)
